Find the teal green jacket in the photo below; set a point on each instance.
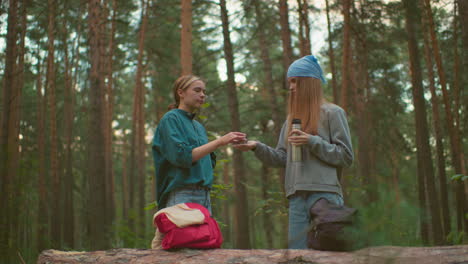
(176, 136)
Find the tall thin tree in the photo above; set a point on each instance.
(138, 131)
(68, 179)
(346, 61)
(42, 225)
(8, 139)
(304, 28)
(241, 207)
(96, 172)
(331, 56)
(454, 136)
(437, 131)
(186, 37)
(54, 190)
(268, 83)
(287, 54)
(425, 169)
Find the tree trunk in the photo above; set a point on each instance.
(186, 36)
(345, 82)
(21, 229)
(242, 209)
(42, 225)
(96, 171)
(375, 255)
(463, 22)
(286, 42)
(227, 179)
(331, 56)
(395, 174)
(363, 124)
(422, 135)
(287, 60)
(267, 70)
(68, 208)
(304, 28)
(138, 146)
(125, 185)
(438, 133)
(52, 107)
(453, 130)
(9, 139)
(463, 17)
(107, 51)
(267, 223)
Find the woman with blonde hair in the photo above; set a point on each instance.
(323, 142)
(183, 157)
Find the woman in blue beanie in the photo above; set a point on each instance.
(325, 144)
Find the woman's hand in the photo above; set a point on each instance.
(249, 145)
(232, 137)
(297, 137)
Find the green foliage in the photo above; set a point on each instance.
(387, 222)
(456, 238)
(459, 177)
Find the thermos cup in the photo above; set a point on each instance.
(296, 151)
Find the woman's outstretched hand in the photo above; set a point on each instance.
(249, 145)
(232, 137)
(297, 137)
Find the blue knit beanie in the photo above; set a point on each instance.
(306, 66)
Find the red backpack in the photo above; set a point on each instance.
(206, 235)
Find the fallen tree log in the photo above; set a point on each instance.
(373, 255)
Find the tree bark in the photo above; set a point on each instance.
(422, 135)
(138, 131)
(68, 208)
(331, 56)
(455, 143)
(463, 22)
(52, 107)
(375, 255)
(186, 37)
(42, 225)
(19, 229)
(463, 17)
(107, 54)
(364, 122)
(227, 179)
(9, 138)
(96, 172)
(241, 206)
(438, 133)
(304, 28)
(267, 70)
(286, 42)
(345, 82)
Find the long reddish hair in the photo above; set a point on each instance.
(305, 104)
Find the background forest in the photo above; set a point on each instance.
(84, 84)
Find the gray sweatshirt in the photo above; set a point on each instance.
(323, 157)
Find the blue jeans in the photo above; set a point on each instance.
(189, 195)
(299, 217)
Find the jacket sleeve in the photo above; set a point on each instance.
(273, 157)
(171, 143)
(338, 152)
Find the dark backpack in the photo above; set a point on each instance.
(331, 226)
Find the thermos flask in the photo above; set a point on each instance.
(296, 151)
